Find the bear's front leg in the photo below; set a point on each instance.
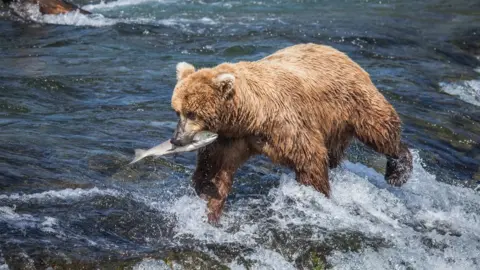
(311, 168)
(213, 177)
(317, 178)
(223, 182)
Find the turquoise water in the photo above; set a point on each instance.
(79, 93)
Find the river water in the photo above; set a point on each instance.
(78, 93)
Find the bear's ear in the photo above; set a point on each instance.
(183, 70)
(225, 83)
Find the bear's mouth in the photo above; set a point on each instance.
(178, 141)
(182, 136)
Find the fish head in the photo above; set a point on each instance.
(205, 136)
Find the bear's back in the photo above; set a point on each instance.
(315, 58)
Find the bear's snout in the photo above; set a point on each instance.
(181, 138)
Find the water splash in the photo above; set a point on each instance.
(121, 3)
(468, 91)
(151, 264)
(425, 224)
(64, 194)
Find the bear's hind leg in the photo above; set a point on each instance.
(213, 177)
(381, 131)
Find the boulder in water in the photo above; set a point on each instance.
(49, 6)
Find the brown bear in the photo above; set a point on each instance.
(300, 106)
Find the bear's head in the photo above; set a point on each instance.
(200, 99)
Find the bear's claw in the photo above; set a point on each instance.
(399, 169)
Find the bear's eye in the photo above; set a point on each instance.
(191, 115)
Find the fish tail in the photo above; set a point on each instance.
(139, 154)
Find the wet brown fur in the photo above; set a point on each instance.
(300, 106)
